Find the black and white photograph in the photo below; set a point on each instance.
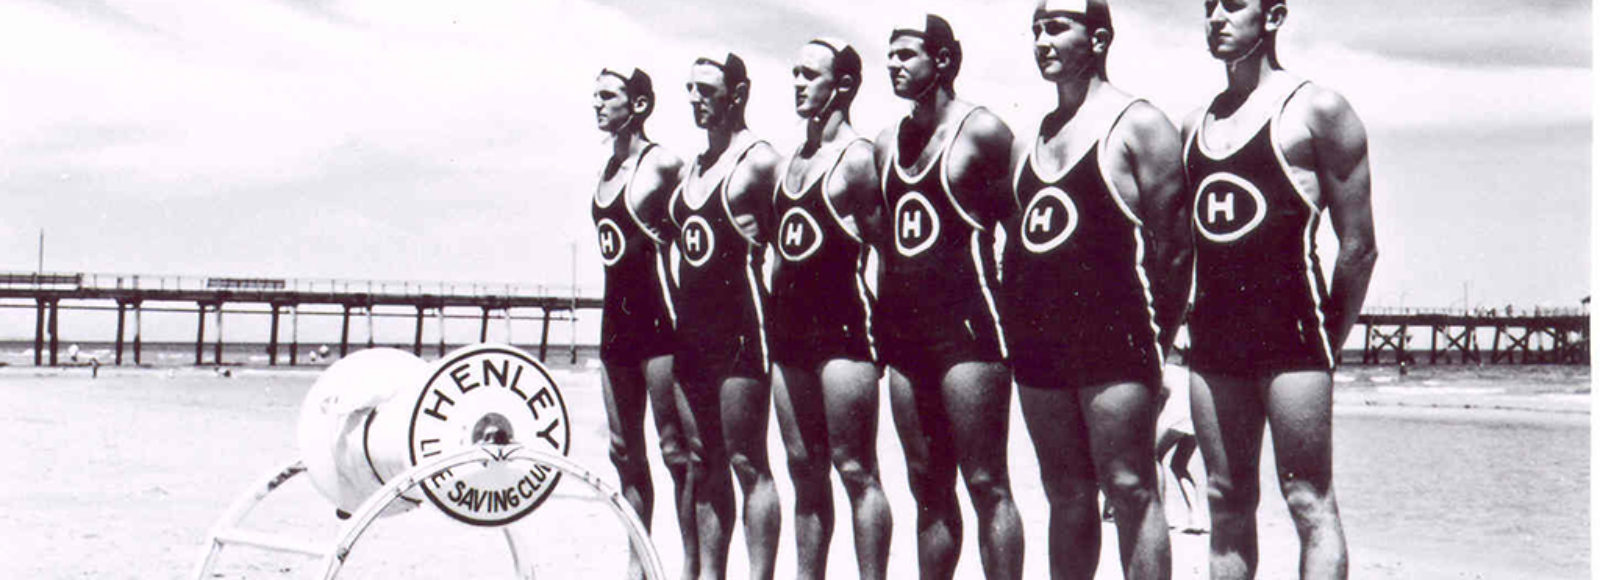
(1067, 289)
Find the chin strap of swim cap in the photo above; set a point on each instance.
(842, 52)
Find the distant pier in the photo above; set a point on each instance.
(282, 296)
(1390, 335)
(1520, 336)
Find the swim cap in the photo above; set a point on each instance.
(637, 84)
(846, 61)
(935, 32)
(936, 35)
(733, 71)
(1096, 13)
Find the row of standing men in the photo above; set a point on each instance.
(1106, 219)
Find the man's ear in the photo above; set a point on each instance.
(847, 84)
(943, 59)
(1100, 42)
(1276, 16)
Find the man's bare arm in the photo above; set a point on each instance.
(1154, 152)
(855, 192)
(1339, 143)
(750, 192)
(980, 167)
(651, 191)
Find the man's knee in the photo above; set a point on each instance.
(746, 467)
(1066, 491)
(987, 487)
(629, 460)
(855, 475)
(932, 490)
(1129, 491)
(1227, 496)
(676, 454)
(807, 467)
(1309, 504)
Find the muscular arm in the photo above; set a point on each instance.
(651, 192)
(875, 229)
(1339, 142)
(855, 192)
(1152, 154)
(980, 167)
(750, 192)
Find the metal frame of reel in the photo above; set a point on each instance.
(227, 529)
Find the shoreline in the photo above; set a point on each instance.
(1354, 391)
(157, 454)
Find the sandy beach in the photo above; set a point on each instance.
(121, 476)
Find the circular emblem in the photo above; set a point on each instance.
(612, 243)
(1050, 219)
(916, 225)
(696, 241)
(1228, 207)
(799, 236)
(489, 394)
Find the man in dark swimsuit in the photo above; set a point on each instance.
(945, 168)
(1269, 154)
(825, 382)
(630, 213)
(720, 211)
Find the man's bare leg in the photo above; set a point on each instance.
(977, 401)
(850, 393)
(1300, 410)
(744, 431)
(1228, 419)
(925, 436)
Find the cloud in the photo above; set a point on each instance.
(456, 140)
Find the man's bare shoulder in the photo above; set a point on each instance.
(858, 159)
(1321, 109)
(762, 158)
(757, 169)
(1191, 123)
(884, 143)
(985, 130)
(663, 163)
(1144, 121)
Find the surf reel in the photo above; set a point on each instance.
(481, 435)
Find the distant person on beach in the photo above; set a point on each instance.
(636, 347)
(1097, 279)
(1175, 435)
(825, 381)
(1265, 158)
(945, 187)
(721, 216)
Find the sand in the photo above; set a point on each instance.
(122, 476)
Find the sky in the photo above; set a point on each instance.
(455, 141)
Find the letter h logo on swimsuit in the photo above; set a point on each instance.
(799, 236)
(1049, 220)
(916, 224)
(697, 241)
(1228, 207)
(612, 243)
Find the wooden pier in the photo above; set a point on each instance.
(211, 295)
(1535, 336)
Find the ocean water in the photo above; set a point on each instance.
(1509, 492)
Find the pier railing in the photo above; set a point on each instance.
(305, 286)
(48, 293)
